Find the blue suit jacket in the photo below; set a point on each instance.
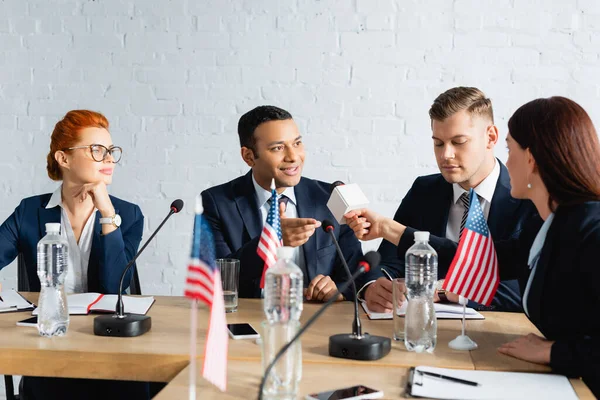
(109, 255)
(426, 207)
(233, 213)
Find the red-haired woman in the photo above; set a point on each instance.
(103, 231)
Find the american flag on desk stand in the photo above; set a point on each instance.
(203, 283)
(270, 237)
(473, 272)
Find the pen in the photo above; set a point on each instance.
(450, 378)
(1, 299)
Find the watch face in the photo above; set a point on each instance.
(117, 220)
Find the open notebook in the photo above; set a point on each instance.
(13, 301)
(84, 303)
(491, 385)
(442, 311)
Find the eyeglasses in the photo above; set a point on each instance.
(99, 152)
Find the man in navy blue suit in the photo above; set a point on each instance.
(272, 147)
(464, 136)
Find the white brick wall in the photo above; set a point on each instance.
(174, 76)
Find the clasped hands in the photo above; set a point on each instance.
(295, 232)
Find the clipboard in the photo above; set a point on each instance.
(13, 301)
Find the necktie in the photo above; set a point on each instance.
(282, 199)
(464, 199)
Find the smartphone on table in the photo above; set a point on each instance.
(28, 322)
(357, 392)
(242, 331)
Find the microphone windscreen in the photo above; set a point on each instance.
(372, 258)
(327, 225)
(177, 205)
(334, 185)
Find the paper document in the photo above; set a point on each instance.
(442, 311)
(491, 385)
(84, 303)
(10, 300)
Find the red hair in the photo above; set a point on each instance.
(66, 134)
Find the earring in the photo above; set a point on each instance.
(529, 186)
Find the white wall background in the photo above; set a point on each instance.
(173, 77)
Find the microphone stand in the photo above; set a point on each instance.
(312, 319)
(355, 346)
(128, 325)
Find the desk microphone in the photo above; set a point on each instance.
(355, 346)
(370, 260)
(130, 325)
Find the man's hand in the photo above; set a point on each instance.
(532, 348)
(379, 296)
(296, 231)
(452, 297)
(322, 288)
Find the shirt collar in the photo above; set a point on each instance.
(264, 195)
(56, 198)
(485, 189)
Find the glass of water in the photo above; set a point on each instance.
(230, 275)
(399, 299)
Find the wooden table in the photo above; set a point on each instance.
(162, 354)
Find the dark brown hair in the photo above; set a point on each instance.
(564, 143)
(461, 98)
(66, 134)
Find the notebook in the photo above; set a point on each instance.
(10, 300)
(84, 303)
(491, 385)
(442, 311)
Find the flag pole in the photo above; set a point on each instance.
(193, 337)
(463, 318)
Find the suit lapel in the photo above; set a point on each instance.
(48, 215)
(95, 255)
(439, 212)
(247, 205)
(534, 305)
(503, 206)
(306, 208)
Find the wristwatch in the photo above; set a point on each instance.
(441, 292)
(115, 220)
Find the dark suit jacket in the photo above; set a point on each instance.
(563, 299)
(426, 207)
(109, 255)
(233, 213)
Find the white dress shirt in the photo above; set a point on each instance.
(291, 211)
(78, 253)
(485, 191)
(534, 256)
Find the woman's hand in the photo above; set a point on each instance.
(532, 348)
(99, 195)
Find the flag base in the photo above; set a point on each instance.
(462, 342)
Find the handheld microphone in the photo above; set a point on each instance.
(130, 325)
(370, 260)
(356, 346)
(345, 198)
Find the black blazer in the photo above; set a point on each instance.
(564, 298)
(426, 207)
(109, 255)
(233, 213)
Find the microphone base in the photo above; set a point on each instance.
(130, 325)
(366, 348)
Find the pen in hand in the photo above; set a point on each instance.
(449, 378)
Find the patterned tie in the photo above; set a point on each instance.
(282, 199)
(464, 199)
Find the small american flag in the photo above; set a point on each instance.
(270, 237)
(203, 283)
(474, 270)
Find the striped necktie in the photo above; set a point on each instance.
(281, 199)
(464, 199)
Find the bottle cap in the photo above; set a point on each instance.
(421, 236)
(285, 252)
(53, 227)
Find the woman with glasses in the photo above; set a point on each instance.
(103, 233)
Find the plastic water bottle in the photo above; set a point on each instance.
(420, 328)
(284, 284)
(52, 256)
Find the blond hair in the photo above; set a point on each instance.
(461, 98)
